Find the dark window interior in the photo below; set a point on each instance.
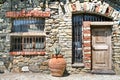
(27, 25)
(21, 0)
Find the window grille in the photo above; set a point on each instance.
(28, 25)
(29, 42)
(77, 21)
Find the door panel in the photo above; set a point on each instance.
(101, 48)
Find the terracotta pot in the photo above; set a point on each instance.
(57, 65)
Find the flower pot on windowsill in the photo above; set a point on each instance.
(57, 64)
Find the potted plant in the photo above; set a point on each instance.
(57, 63)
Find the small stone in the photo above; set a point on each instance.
(1, 20)
(45, 63)
(50, 21)
(1, 63)
(41, 4)
(25, 69)
(1, 46)
(48, 28)
(53, 5)
(46, 72)
(43, 67)
(54, 30)
(15, 61)
(21, 64)
(16, 70)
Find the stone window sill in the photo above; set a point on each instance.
(29, 34)
(80, 65)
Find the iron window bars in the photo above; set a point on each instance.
(28, 43)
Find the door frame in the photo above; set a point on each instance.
(87, 53)
(106, 43)
(107, 24)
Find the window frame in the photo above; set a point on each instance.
(29, 24)
(23, 35)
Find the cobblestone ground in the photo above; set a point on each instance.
(39, 76)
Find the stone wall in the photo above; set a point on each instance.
(116, 48)
(30, 64)
(5, 28)
(19, 63)
(58, 29)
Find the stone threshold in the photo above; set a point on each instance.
(109, 72)
(78, 65)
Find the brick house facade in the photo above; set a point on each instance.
(66, 23)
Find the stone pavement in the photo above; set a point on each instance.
(40, 76)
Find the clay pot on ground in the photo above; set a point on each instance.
(57, 65)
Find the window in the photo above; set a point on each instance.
(28, 35)
(28, 25)
(23, 43)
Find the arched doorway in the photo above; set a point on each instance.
(77, 33)
(95, 39)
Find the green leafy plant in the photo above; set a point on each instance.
(57, 50)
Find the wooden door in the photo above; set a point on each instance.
(101, 48)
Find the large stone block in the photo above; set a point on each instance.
(2, 69)
(117, 68)
(34, 68)
(86, 6)
(53, 5)
(118, 16)
(48, 28)
(1, 63)
(21, 64)
(104, 8)
(67, 10)
(73, 7)
(110, 11)
(1, 20)
(16, 70)
(87, 65)
(78, 6)
(44, 68)
(115, 14)
(2, 46)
